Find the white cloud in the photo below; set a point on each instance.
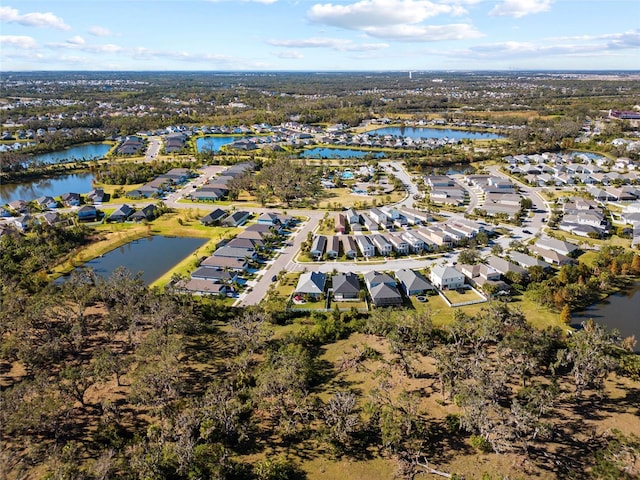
(425, 33)
(36, 19)
(289, 55)
(602, 45)
(377, 13)
(332, 43)
(19, 41)
(77, 40)
(520, 8)
(630, 39)
(79, 43)
(98, 31)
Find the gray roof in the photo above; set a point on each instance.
(311, 282)
(413, 280)
(386, 292)
(345, 283)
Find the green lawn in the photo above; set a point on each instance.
(319, 305)
(467, 295)
(348, 305)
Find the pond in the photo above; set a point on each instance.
(423, 132)
(77, 153)
(153, 256)
(339, 153)
(215, 142)
(52, 187)
(619, 311)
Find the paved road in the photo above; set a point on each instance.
(537, 222)
(284, 261)
(153, 149)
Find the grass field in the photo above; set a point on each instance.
(466, 295)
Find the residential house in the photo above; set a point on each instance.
(19, 206)
(213, 218)
(311, 284)
(418, 215)
(318, 246)
(269, 218)
(199, 286)
(414, 283)
(333, 246)
(369, 223)
(87, 212)
(214, 275)
(400, 246)
(209, 194)
(352, 216)
(551, 256)
(236, 219)
(445, 277)
(146, 213)
(46, 202)
(560, 246)
(266, 230)
(341, 223)
(23, 222)
(52, 218)
(235, 252)
(384, 247)
(130, 146)
(226, 263)
(154, 188)
(366, 246)
(416, 242)
(527, 261)
(371, 279)
(383, 295)
(96, 195)
(479, 274)
(380, 217)
(121, 214)
(349, 246)
(436, 236)
(345, 287)
(505, 267)
(245, 242)
(70, 199)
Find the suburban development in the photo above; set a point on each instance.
(282, 276)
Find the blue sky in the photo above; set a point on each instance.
(321, 35)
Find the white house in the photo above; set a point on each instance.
(445, 277)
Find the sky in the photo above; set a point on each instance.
(326, 35)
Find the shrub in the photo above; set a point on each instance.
(481, 444)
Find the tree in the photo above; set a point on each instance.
(341, 419)
(469, 256)
(107, 363)
(588, 356)
(282, 387)
(224, 414)
(565, 314)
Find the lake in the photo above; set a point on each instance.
(619, 311)
(339, 153)
(153, 256)
(214, 143)
(52, 187)
(84, 152)
(422, 132)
